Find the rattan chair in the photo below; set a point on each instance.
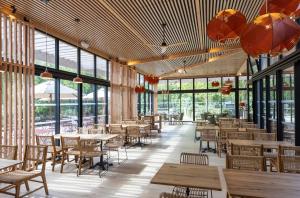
(264, 136)
(239, 136)
(248, 125)
(117, 129)
(8, 152)
(208, 135)
(34, 156)
(115, 144)
(70, 146)
(256, 130)
(222, 139)
(170, 195)
(196, 159)
(289, 159)
(246, 150)
(54, 150)
(134, 135)
(242, 162)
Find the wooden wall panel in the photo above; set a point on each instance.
(17, 83)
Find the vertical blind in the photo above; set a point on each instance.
(123, 96)
(16, 82)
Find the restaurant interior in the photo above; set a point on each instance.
(150, 98)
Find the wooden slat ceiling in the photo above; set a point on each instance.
(124, 29)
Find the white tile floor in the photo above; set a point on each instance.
(132, 177)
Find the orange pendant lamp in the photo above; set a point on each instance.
(226, 25)
(287, 7)
(271, 33)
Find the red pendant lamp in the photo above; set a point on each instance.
(226, 25)
(287, 7)
(271, 33)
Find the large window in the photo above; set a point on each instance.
(210, 84)
(88, 105)
(87, 64)
(174, 84)
(44, 106)
(201, 83)
(200, 105)
(102, 103)
(228, 104)
(186, 84)
(288, 104)
(162, 85)
(67, 57)
(68, 106)
(174, 103)
(214, 102)
(162, 103)
(44, 47)
(187, 106)
(101, 65)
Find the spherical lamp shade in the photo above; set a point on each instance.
(271, 34)
(287, 7)
(226, 25)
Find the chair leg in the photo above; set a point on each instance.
(62, 163)
(79, 166)
(17, 190)
(45, 184)
(126, 152)
(53, 155)
(26, 185)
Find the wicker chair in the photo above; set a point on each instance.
(256, 130)
(264, 136)
(246, 150)
(196, 159)
(242, 162)
(248, 125)
(70, 146)
(54, 150)
(170, 195)
(208, 135)
(115, 144)
(8, 152)
(34, 156)
(289, 159)
(117, 129)
(239, 136)
(222, 139)
(134, 134)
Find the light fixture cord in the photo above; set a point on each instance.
(266, 6)
(46, 35)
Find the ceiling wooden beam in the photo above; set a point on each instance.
(202, 63)
(183, 54)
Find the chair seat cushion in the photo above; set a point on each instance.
(17, 176)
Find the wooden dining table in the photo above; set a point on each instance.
(262, 184)
(188, 175)
(266, 144)
(7, 163)
(96, 137)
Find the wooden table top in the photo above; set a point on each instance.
(262, 184)
(139, 125)
(266, 144)
(6, 163)
(205, 177)
(103, 137)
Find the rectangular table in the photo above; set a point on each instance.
(6, 163)
(266, 144)
(199, 128)
(197, 176)
(262, 184)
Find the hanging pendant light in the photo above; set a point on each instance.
(77, 79)
(46, 75)
(287, 7)
(226, 25)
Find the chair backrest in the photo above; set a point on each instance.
(169, 195)
(264, 136)
(46, 140)
(133, 130)
(239, 136)
(194, 158)
(115, 129)
(208, 134)
(34, 155)
(256, 130)
(83, 130)
(69, 142)
(223, 132)
(247, 150)
(8, 152)
(96, 131)
(241, 162)
(248, 125)
(289, 159)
